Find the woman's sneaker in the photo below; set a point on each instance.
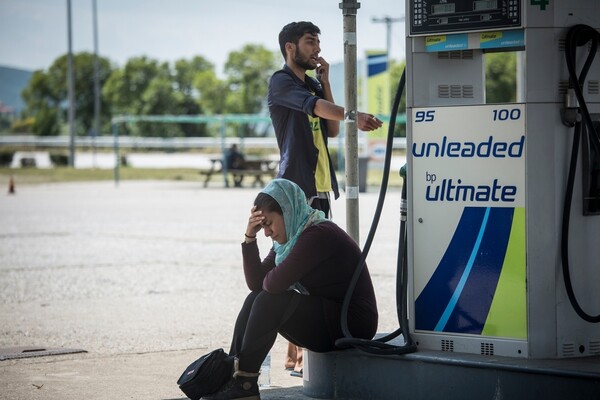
(238, 388)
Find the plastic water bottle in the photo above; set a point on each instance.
(264, 379)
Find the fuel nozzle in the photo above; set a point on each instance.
(570, 113)
(403, 204)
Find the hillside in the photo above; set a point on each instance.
(12, 83)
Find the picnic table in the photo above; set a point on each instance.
(253, 167)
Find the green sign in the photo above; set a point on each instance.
(541, 3)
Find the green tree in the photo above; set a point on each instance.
(22, 125)
(39, 99)
(46, 121)
(212, 93)
(501, 77)
(190, 103)
(46, 95)
(396, 69)
(248, 72)
(160, 98)
(147, 87)
(185, 73)
(125, 88)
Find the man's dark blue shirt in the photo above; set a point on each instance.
(290, 101)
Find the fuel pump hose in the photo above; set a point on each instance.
(578, 35)
(380, 345)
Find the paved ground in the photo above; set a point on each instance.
(145, 277)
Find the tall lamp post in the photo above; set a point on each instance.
(388, 21)
(349, 11)
(96, 129)
(71, 89)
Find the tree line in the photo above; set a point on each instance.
(144, 86)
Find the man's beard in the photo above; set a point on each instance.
(303, 62)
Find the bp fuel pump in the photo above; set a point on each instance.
(488, 184)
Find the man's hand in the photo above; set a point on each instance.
(328, 110)
(322, 71)
(368, 122)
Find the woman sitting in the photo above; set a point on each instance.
(298, 289)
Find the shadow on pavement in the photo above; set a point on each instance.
(294, 392)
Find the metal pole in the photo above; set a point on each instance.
(388, 21)
(96, 129)
(71, 89)
(115, 129)
(349, 10)
(388, 39)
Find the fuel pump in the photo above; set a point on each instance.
(498, 261)
(498, 255)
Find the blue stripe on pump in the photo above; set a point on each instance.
(465, 275)
(436, 294)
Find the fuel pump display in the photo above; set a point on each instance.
(463, 15)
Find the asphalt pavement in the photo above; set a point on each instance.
(142, 278)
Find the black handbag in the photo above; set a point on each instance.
(206, 375)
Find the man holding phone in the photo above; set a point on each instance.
(304, 115)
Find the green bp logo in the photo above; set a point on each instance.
(541, 3)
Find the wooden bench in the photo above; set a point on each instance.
(257, 168)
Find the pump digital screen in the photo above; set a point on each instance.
(485, 5)
(440, 16)
(447, 8)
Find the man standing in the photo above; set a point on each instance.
(304, 115)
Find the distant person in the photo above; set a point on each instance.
(234, 161)
(298, 289)
(304, 116)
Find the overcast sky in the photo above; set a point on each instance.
(33, 33)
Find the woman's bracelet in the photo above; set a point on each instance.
(249, 237)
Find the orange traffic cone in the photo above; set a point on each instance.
(11, 185)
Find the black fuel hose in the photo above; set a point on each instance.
(578, 35)
(380, 346)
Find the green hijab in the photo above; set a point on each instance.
(297, 214)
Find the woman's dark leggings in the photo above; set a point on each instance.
(298, 318)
